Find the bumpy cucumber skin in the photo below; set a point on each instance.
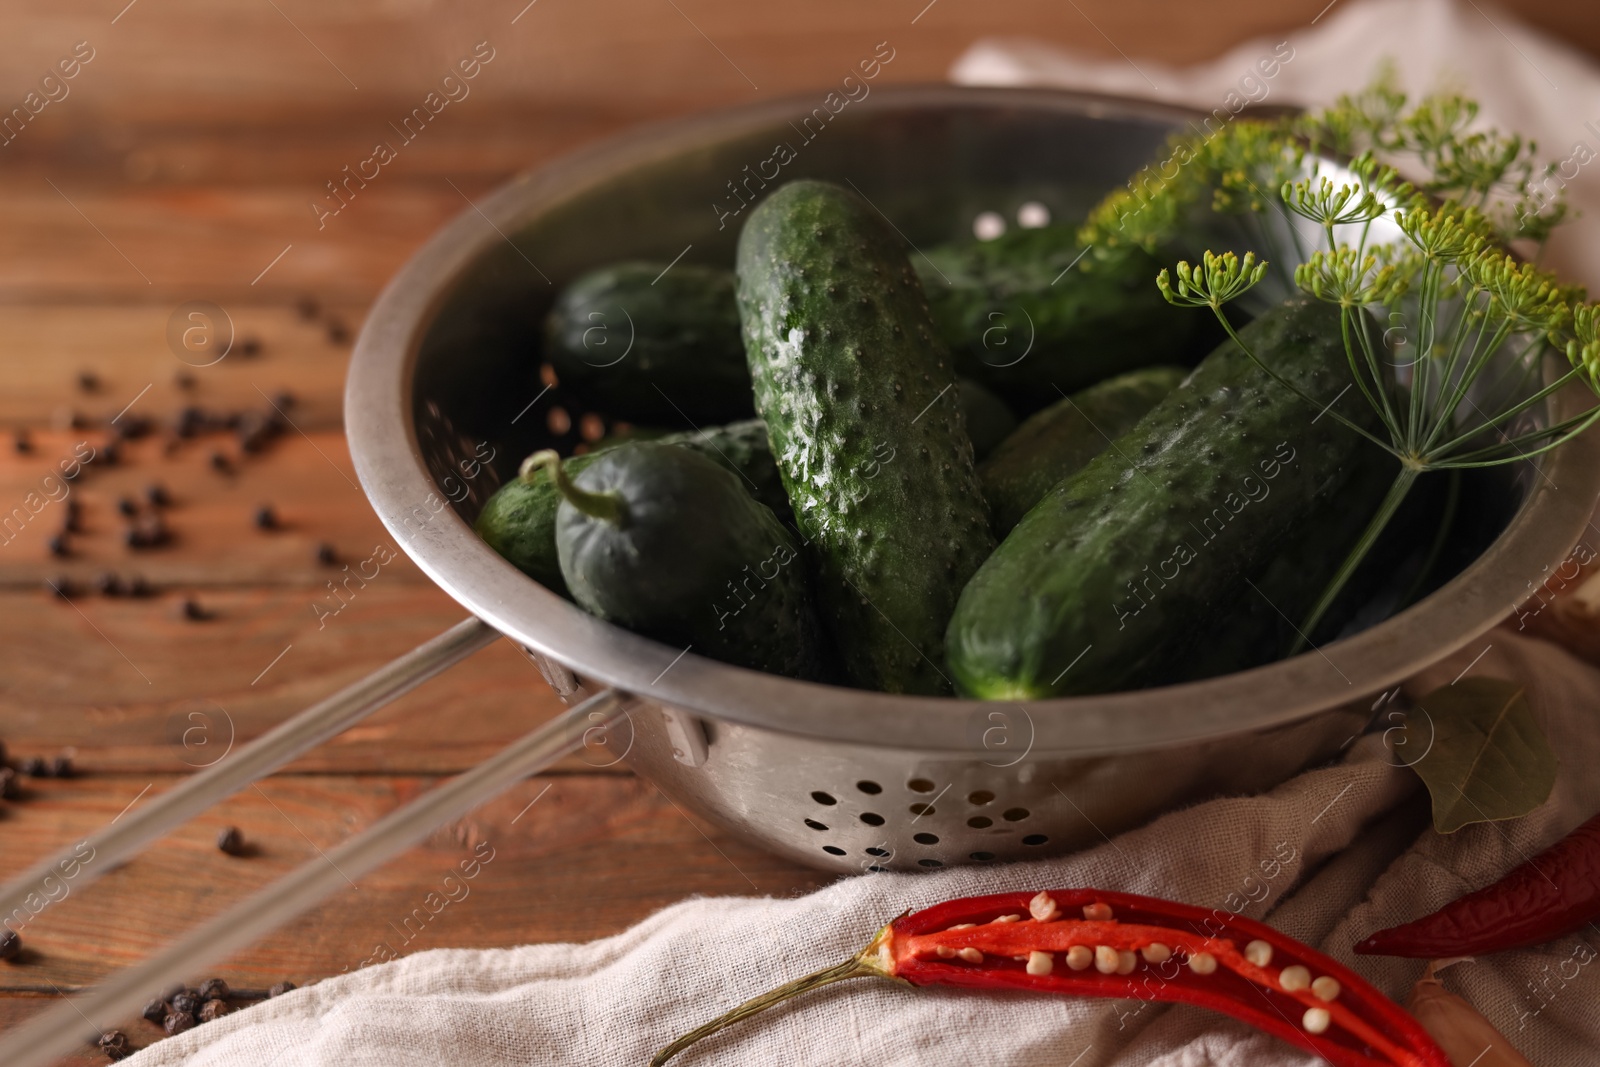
(698, 563)
(1112, 576)
(686, 360)
(988, 419)
(991, 300)
(519, 520)
(1059, 440)
(857, 393)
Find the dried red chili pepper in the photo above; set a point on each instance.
(1087, 942)
(1555, 893)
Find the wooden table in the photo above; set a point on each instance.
(181, 168)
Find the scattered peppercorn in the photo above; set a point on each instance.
(71, 522)
(61, 767)
(10, 946)
(126, 506)
(10, 788)
(2, 755)
(35, 767)
(89, 381)
(250, 347)
(62, 586)
(66, 419)
(326, 554)
(186, 1001)
(212, 1010)
(58, 546)
(307, 308)
(230, 841)
(220, 464)
(137, 586)
(283, 400)
(188, 422)
(157, 1010)
(280, 989)
(108, 584)
(151, 532)
(266, 518)
(214, 989)
(183, 380)
(157, 495)
(178, 1022)
(111, 453)
(114, 1043)
(133, 427)
(192, 610)
(338, 332)
(22, 442)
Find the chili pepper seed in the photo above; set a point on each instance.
(945, 952)
(1258, 952)
(114, 1043)
(1009, 919)
(1079, 957)
(1043, 908)
(1316, 1020)
(1156, 952)
(1097, 912)
(157, 1010)
(1203, 963)
(1040, 963)
(970, 955)
(1326, 988)
(1294, 979)
(10, 946)
(1127, 961)
(1106, 959)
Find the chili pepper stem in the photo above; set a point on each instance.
(865, 964)
(606, 507)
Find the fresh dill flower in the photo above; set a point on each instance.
(1347, 278)
(1215, 281)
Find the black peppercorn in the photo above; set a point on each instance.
(250, 347)
(114, 1043)
(178, 1022)
(230, 841)
(188, 422)
(213, 989)
(137, 586)
(58, 546)
(220, 463)
(280, 989)
(109, 584)
(307, 308)
(266, 518)
(70, 523)
(326, 554)
(111, 453)
(212, 1010)
(10, 945)
(186, 1001)
(192, 610)
(61, 767)
(10, 788)
(338, 332)
(22, 442)
(150, 532)
(126, 506)
(133, 427)
(89, 381)
(157, 495)
(183, 380)
(61, 585)
(283, 400)
(157, 1010)
(35, 767)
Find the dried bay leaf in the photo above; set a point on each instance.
(1484, 757)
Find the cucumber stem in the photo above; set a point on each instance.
(1369, 537)
(604, 507)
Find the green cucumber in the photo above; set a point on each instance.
(1117, 572)
(667, 543)
(988, 419)
(1025, 315)
(856, 392)
(1059, 440)
(646, 343)
(519, 520)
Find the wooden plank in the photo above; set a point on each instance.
(593, 855)
(132, 686)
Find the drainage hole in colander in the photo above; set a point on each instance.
(982, 857)
(923, 809)
(920, 785)
(878, 870)
(982, 796)
(833, 850)
(930, 863)
(815, 825)
(872, 818)
(925, 839)
(1011, 815)
(876, 851)
(979, 822)
(1035, 839)
(872, 788)
(823, 798)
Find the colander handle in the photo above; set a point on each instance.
(227, 776)
(64, 1027)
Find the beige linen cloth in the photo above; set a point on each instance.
(1328, 857)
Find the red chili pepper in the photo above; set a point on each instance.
(1555, 893)
(1088, 942)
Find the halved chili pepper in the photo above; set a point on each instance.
(1092, 943)
(1555, 893)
